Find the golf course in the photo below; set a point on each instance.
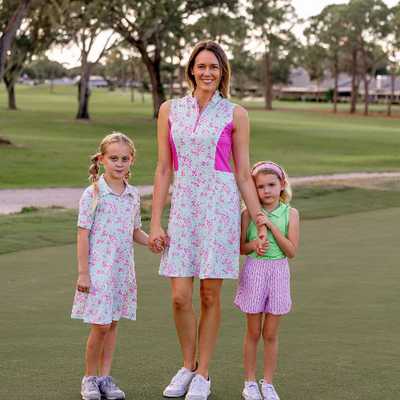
(341, 340)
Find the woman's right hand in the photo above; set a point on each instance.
(157, 234)
(83, 284)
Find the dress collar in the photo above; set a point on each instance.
(278, 211)
(215, 99)
(105, 189)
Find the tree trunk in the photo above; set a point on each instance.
(11, 94)
(154, 68)
(123, 78)
(366, 94)
(9, 33)
(171, 86)
(389, 109)
(131, 82)
(180, 75)
(84, 94)
(335, 90)
(268, 97)
(52, 77)
(353, 81)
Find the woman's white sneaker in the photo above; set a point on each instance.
(268, 391)
(251, 391)
(179, 383)
(199, 388)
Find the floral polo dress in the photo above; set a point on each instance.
(204, 226)
(111, 266)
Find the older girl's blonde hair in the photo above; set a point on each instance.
(286, 193)
(223, 63)
(114, 137)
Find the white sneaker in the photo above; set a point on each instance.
(268, 391)
(251, 391)
(179, 383)
(199, 388)
(90, 388)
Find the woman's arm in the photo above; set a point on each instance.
(83, 284)
(162, 178)
(288, 245)
(240, 151)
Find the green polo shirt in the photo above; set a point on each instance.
(280, 217)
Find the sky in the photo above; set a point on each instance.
(304, 8)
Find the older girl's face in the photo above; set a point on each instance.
(206, 71)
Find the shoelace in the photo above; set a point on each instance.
(268, 389)
(178, 378)
(92, 383)
(252, 389)
(197, 384)
(109, 382)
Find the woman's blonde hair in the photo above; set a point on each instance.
(114, 137)
(223, 63)
(269, 167)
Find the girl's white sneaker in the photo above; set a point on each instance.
(251, 391)
(268, 391)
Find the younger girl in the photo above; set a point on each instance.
(108, 223)
(264, 285)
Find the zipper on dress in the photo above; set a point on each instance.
(200, 114)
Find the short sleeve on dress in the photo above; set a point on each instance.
(137, 221)
(85, 216)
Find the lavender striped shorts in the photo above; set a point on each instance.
(264, 286)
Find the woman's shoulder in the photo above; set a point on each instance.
(239, 111)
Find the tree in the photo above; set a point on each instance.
(366, 19)
(271, 22)
(147, 24)
(33, 38)
(11, 26)
(327, 30)
(84, 22)
(314, 61)
(393, 48)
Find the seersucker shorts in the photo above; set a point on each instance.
(264, 286)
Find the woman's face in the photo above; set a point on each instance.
(206, 71)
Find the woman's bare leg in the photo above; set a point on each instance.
(185, 319)
(209, 322)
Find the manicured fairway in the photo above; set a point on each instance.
(56, 149)
(340, 341)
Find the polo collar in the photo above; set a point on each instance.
(215, 99)
(278, 211)
(104, 188)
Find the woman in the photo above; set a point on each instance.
(195, 136)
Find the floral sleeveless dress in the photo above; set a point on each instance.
(204, 226)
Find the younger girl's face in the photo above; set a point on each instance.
(117, 160)
(269, 188)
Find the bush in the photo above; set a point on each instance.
(289, 98)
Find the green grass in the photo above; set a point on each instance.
(55, 149)
(339, 342)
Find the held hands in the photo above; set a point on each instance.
(83, 284)
(157, 240)
(263, 219)
(261, 245)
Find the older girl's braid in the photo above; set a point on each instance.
(94, 177)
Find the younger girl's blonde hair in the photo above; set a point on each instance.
(286, 194)
(114, 137)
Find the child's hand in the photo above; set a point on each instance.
(263, 219)
(83, 284)
(159, 243)
(261, 246)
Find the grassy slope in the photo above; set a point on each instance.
(340, 341)
(56, 149)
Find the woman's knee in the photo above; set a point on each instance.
(209, 296)
(181, 300)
